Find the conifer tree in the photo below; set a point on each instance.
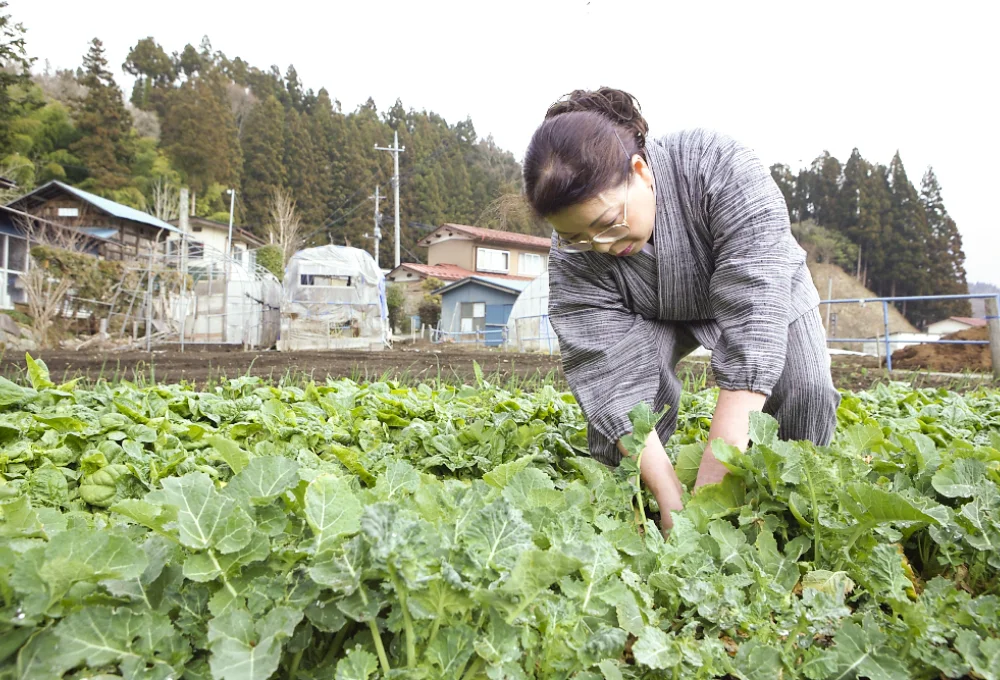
(263, 153)
(105, 146)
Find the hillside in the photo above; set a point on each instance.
(854, 320)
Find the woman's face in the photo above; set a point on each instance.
(586, 220)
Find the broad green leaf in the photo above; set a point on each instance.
(960, 478)
(871, 504)
(688, 462)
(858, 652)
(242, 652)
(982, 654)
(206, 519)
(332, 510)
(610, 670)
(235, 457)
(529, 488)
(38, 373)
(763, 428)
(265, 478)
(400, 478)
(357, 664)
(12, 393)
(496, 536)
(836, 584)
(20, 519)
(756, 661)
(656, 650)
(501, 475)
(536, 570)
(450, 651)
(885, 574)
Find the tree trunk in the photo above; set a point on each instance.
(857, 276)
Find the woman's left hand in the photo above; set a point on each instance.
(731, 424)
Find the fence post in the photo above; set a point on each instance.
(888, 347)
(993, 322)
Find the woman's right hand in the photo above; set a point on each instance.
(657, 473)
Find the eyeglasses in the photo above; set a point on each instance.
(616, 232)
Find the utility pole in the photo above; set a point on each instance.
(395, 150)
(378, 223)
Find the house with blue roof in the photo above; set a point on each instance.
(475, 309)
(111, 230)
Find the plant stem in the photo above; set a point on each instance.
(815, 514)
(411, 645)
(293, 670)
(474, 669)
(337, 644)
(229, 586)
(382, 658)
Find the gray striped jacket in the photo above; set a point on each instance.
(726, 265)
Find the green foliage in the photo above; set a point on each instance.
(200, 134)
(874, 223)
(373, 531)
(264, 171)
(272, 259)
(395, 300)
(14, 76)
(105, 144)
(826, 245)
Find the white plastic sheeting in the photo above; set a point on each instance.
(334, 298)
(528, 327)
(229, 303)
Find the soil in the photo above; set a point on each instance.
(947, 358)
(410, 364)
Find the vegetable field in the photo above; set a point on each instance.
(357, 531)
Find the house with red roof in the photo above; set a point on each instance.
(458, 251)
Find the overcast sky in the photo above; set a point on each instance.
(790, 79)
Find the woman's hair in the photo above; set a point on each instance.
(574, 154)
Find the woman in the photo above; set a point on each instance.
(662, 245)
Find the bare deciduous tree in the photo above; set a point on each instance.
(241, 101)
(145, 123)
(284, 228)
(46, 296)
(166, 201)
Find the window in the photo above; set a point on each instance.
(530, 264)
(69, 212)
(17, 254)
(196, 250)
(238, 253)
(196, 229)
(473, 316)
(489, 260)
(321, 280)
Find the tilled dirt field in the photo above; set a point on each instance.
(426, 363)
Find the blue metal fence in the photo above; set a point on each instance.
(909, 298)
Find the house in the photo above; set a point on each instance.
(458, 251)
(476, 309)
(487, 251)
(954, 324)
(13, 261)
(111, 230)
(206, 240)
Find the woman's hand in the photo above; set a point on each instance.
(731, 424)
(657, 473)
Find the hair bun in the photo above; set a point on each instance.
(617, 106)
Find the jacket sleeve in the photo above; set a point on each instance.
(755, 258)
(608, 352)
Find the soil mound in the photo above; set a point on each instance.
(947, 358)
